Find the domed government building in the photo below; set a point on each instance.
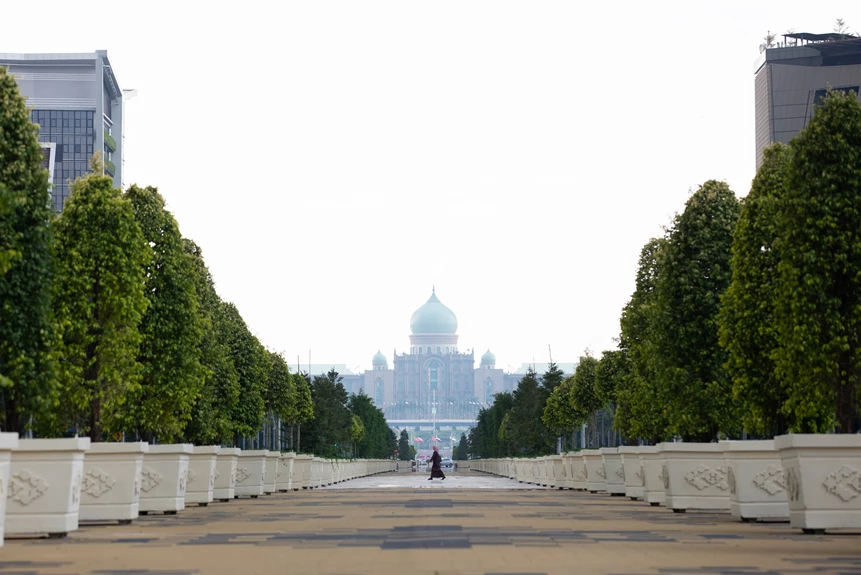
(435, 389)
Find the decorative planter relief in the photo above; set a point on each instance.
(8, 442)
(822, 474)
(112, 480)
(44, 489)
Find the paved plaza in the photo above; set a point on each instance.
(396, 524)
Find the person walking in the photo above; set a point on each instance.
(436, 470)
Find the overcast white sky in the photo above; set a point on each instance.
(336, 159)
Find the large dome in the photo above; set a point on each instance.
(433, 317)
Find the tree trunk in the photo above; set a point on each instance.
(96, 420)
(298, 437)
(13, 419)
(846, 395)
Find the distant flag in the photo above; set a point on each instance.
(436, 438)
(419, 439)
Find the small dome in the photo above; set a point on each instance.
(488, 358)
(379, 359)
(433, 317)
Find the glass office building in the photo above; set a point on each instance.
(78, 104)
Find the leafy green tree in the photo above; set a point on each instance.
(559, 414)
(211, 415)
(172, 376)
(642, 414)
(529, 435)
(490, 424)
(748, 329)
(328, 432)
(27, 333)
(461, 452)
(695, 270)
(375, 441)
(584, 398)
(302, 408)
(552, 378)
(404, 445)
(251, 363)
(819, 293)
(610, 378)
(357, 433)
(100, 302)
(280, 390)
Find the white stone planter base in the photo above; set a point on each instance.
(823, 480)
(272, 472)
(633, 472)
(285, 479)
(112, 482)
(44, 490)
(615, 476)
(164, 478)
(654, 491)
(251, 473)
(756, 480)
(695, 476)
(8, 442)
(595, 473)
(202, 467)
(225, 474)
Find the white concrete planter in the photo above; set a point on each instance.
(578, 471)
(111, 486)
(596, 475)
(164, 478)
(823, 480)
(284, 482)
(654, 491)
(756, 485)
(272, 472)
(202, 467)
(225, 474)
(44, 492)
(615, 475)
(695, 476)
(633, 471)
(8, 443)
(302, 472)
(251, 473)
(563, 473)
(317, 472)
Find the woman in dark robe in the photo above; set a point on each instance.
(436, 470)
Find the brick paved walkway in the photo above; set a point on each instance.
(444, 531)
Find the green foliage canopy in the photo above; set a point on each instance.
(100, 302)
(819, 293)
(171, 328)
(694, 271)
(28, 380)
(748, 330)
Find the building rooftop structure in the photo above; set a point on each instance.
(792, 78)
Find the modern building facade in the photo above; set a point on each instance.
(792, 77)
(78, 104)
(435, 387)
